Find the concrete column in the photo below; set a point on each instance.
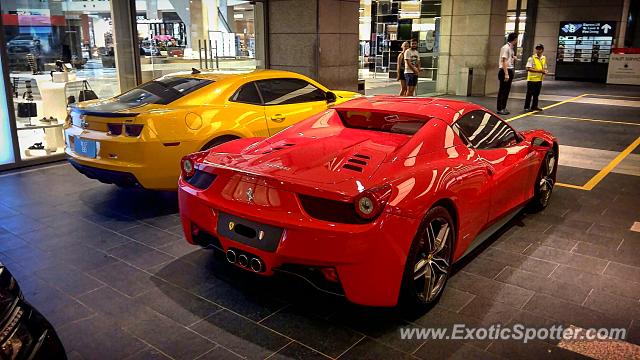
(126, 44)
(472, 32)
(317, 38)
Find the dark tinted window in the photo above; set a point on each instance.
(484, 131)
(379, 121)
(289, 91)
(161, 91)
(247, 94)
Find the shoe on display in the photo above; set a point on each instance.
(45, 120)
(36, 146)
(53, 120)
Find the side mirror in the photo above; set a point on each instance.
(330, 96)
(537, 142)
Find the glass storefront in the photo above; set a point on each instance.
(54, 50)
(384, 26)
(63, 51)
(219, 34)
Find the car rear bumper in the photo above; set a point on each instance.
(149, 164)
(369, 259)
(120, 178)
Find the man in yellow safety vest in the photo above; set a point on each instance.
(536, 69)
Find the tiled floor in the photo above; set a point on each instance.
(110, 268)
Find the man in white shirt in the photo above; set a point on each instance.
(505, 72)
(412, 67)
(536, 69)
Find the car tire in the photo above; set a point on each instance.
(218, 141)
(545, 181)
(428, 260)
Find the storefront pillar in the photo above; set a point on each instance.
(318, 38)
(126, 49)
(472, 33)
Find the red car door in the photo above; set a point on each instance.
(503, 154)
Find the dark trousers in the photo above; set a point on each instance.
(533, 91)
(505, 87)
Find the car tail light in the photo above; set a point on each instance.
(370, 203)
(133, 129)
(188, 163)
(115, 129)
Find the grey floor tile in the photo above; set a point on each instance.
(116, 306)
(179, 248)
(570, 313)
(316, 333)
(368, 348)
(491, 289)
(220, 353)
(124, 278)
(489, 311)
(242, 336)
(148, 353)
(170, 337)
(544, 285)
(140, 255)
(453, 349)
(610, 284)
(177, 304)
(630, 273)
(149, 235)
(618, 307)
(297, 351)
(98, 338)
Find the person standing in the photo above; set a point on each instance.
(505, 72)
(412, 67)
(536, 69)
(400, 69)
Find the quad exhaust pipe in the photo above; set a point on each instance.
(255, 264)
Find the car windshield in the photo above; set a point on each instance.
(381, 121)
(162, 91)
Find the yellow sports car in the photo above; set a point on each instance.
(138, 138)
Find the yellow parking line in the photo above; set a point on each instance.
(545, 108)
(564, 102)
(571, 186)
(615, 96)
(585, 119)
(607, 169)
(520, 116)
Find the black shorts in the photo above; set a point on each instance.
(412, 79)
(401, 74)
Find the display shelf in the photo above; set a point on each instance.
(23, 127)
(30, 154)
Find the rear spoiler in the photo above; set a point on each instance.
(103, 113)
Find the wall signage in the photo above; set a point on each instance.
(590, 42)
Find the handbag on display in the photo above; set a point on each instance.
(27, 110)
(86, 93)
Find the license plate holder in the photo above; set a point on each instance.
(85, 147)
(257, 235)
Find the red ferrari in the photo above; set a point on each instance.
(373, 199)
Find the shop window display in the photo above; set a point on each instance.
(57, 53)
(216, 34)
